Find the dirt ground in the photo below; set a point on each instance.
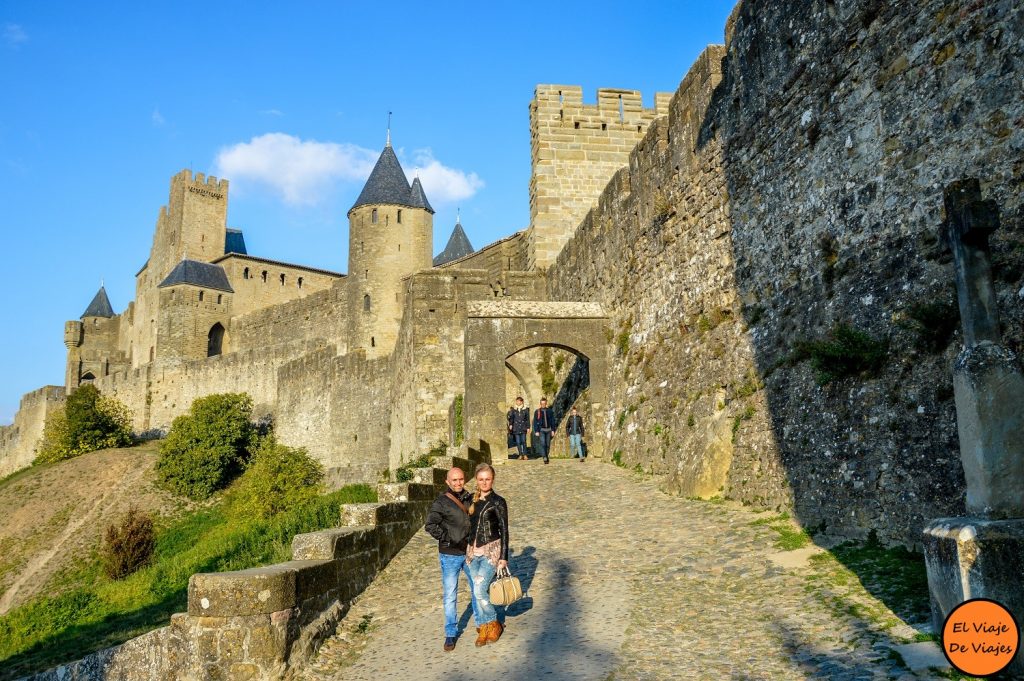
(54, 515)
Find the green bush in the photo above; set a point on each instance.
(933, 323)
(846, 352)
(208, 447)
(88, 421)
(128, 545)
(278, 478)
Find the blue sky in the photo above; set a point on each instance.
(102, 102)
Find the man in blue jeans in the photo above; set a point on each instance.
(448, 523)
(543, 428)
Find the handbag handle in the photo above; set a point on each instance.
(498, 575)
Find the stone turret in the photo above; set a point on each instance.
(391, 229)
(458, 246)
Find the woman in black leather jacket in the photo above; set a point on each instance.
(487, 551)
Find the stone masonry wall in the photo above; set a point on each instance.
(796, 185)
(574, 149)
(18, 441)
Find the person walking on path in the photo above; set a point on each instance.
(448, 522)
(487, 551)
(519, 425)
(543, 428)
(574, 429)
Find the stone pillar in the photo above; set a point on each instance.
(982, 555)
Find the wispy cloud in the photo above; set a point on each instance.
(298, 171)
(272, 112)
(305, 172)
(441, 183)
(13, 35)
(158, 119)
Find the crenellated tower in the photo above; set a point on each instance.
(391, 235)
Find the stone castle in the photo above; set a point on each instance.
(677, 256)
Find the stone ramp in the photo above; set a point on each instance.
(622, 582)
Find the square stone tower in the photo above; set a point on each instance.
(575, 148)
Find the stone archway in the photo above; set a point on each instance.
(497, 330)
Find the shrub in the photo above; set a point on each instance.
(87, 422)
(278, 478)
(405, 472)
(933, 323)
(128, 545)
(846, 352)
(208, 447)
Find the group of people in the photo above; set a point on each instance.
(472, 537)
(471, 529)
(544, 427)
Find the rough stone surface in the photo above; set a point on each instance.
(699, 601)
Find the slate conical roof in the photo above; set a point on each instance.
(204, 274)
(458, 247)
(419, 199)
(234, 242)
(387, 183)
(100, 305)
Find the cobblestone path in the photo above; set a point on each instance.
(623, 582)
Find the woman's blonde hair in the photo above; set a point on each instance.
(476, 493)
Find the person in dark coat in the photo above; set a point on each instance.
(543, 428)
(448, 522)
(574, 430)
(518, 425)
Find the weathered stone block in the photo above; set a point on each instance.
(333, 544)
(975, 558)
(244, 592)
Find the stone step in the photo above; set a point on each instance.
(335, 543)
(381, 513)
(405, 491)
(446, 462)
(262, 590)
(430, 476)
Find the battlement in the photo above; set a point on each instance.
(565, 102)
(200, 180)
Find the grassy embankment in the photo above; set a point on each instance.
(92, 612)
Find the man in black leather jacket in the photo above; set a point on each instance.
(448, 523)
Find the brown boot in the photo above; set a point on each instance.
(495, 631)
(482, 632)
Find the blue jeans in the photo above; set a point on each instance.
(451, 566)
(542, 443)
(481, 574)
(520, 439)
(576, 446)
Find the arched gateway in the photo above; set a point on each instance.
(496, 330)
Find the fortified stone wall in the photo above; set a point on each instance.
(260, 283)
(321, 315)
(19, 440)
(574, 149)
(802, 191)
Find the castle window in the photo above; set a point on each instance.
(604, 126)
(300, 282)
(282, 279)
(373, 216)
(373, 342)
(264, 276)
(366, 303)
(215, 340)
(219, 298)
(622, 111)
(639, 128)
(399, 218)
(88, 376)
(576, 125)
(245, 273)
(366, 274)
(399, 248)
(151, 353)
(201, 293)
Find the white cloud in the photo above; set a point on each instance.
(158, 119)
(272, 112)
(441, 183)
(14, 35)
(304, 172)
(300, 172)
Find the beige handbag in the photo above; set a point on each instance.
(505, 589)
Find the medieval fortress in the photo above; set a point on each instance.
(793, 182)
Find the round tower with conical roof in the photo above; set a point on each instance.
(391, 235)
